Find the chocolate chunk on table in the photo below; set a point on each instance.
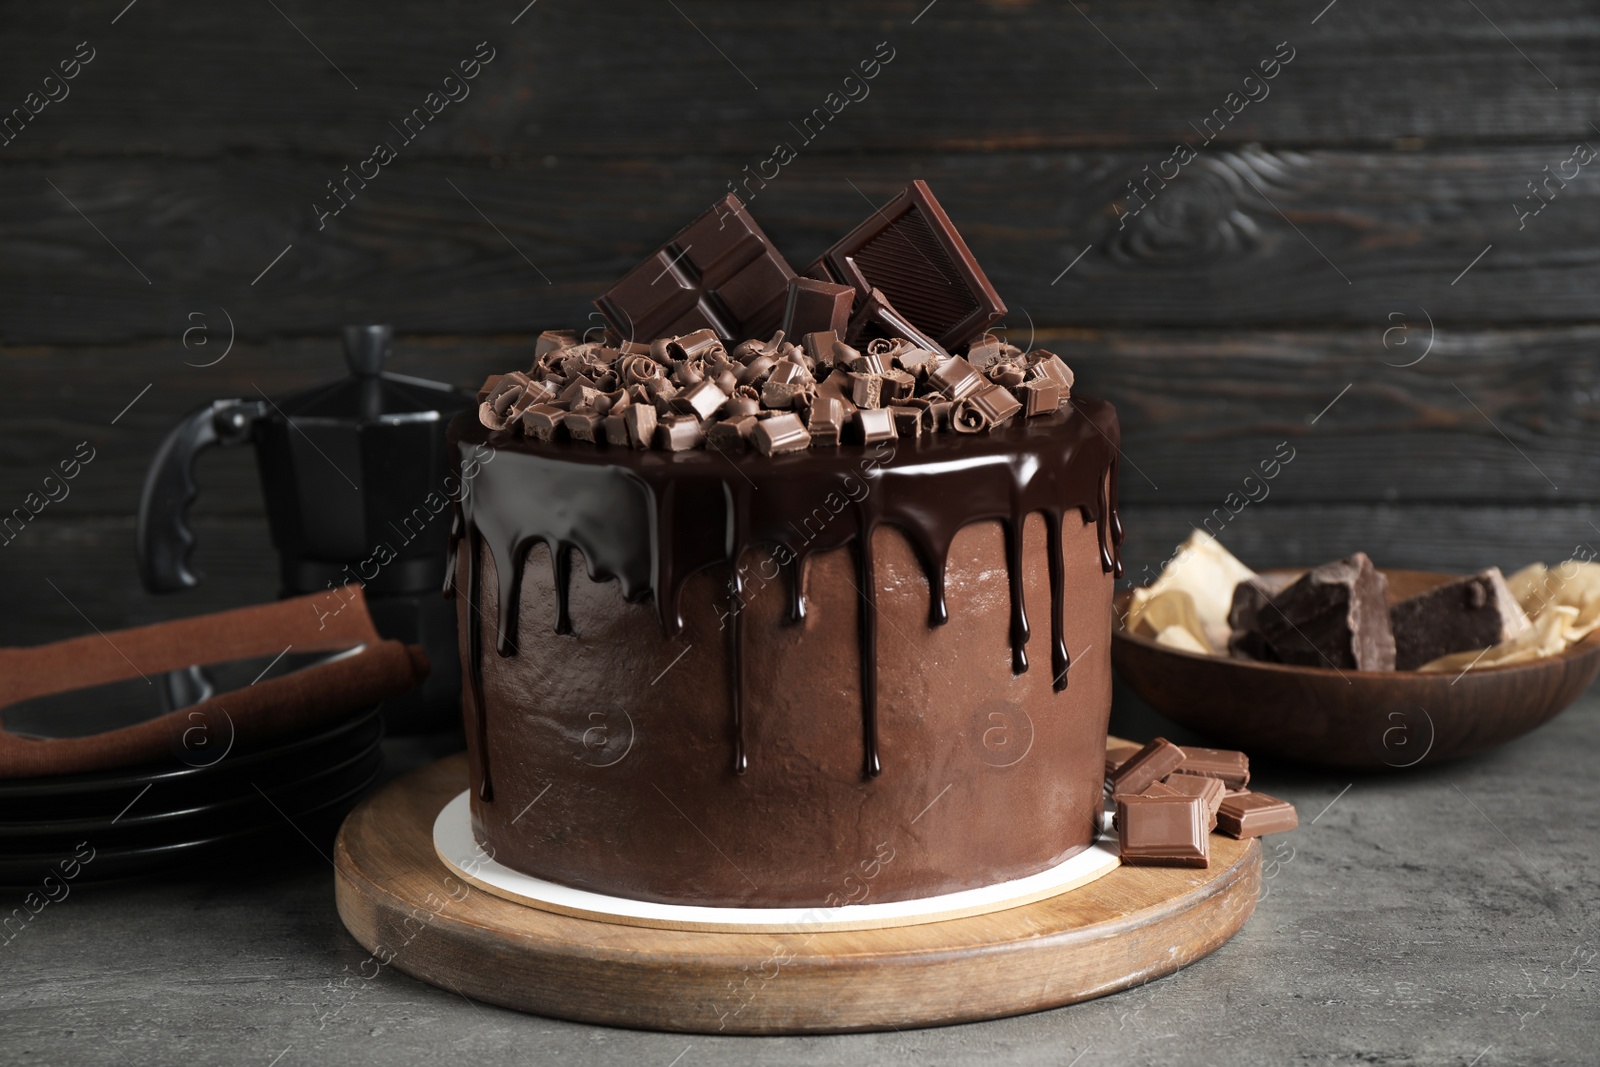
(1151, 763)
(1469, 613)
(1228, 766)
(1336, 616)
(1254, 814)
(720, 272)
(910, 250)
(1164, 831)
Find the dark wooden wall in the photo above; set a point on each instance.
(1312, 249)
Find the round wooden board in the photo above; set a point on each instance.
(401, 902)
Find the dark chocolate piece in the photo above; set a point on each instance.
(1336, 616)
(911, 251)
(1163, 831)
(1469, 613)
(1224, 764)
(819, 346)
(815, 306)
(720, 272)
(1249, 597)
(1254, 814)
(1151, 763)
(876, 318)
(780, 433)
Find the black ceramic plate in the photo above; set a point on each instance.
(149, 822)
(291, 827)
(175, 785)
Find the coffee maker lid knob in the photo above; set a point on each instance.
(366, 348)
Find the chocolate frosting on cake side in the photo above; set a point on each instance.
(666, 525)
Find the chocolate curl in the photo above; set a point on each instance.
(511, 395)
(967, 417)
(638, 369)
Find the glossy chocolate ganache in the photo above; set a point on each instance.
(651, 520)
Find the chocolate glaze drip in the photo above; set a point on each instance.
(650, 520)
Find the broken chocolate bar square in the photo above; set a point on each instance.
(1253, 814)
(1336, 616)
(780, 433)
(910, 250)
(1164, 831)
(1224, 764)
(1249, 597)
(1211, 791)
(720, 272)
(1151, 763)
(1474, 612)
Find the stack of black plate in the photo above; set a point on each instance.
(198, 806)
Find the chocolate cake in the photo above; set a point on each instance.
(795, 668)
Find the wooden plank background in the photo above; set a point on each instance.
(1352, 264)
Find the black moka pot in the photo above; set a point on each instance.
(357, 488)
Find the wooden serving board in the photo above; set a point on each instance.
(401, 902)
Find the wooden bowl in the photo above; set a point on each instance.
(1363, 719)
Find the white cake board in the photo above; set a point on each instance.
(456, 846)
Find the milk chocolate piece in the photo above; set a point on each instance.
(641, 422)
(1039, 397)
(1047, 366)
(1224, 764)
(897, 385)
(543, 421)
(1459, 616)
(616, 431)
(720, 272)
(554, 341)
(1336, 616)
(700, 400)
(1211, 791)
(819, 346)
(780, 433)
(917, 361)
(1116, 757)
(875, 425)
(583, 425)
(907, 420)
(866, 390)
(679, 433)
(1245, 640)
(731, 435)
(1151, 763)
(1163, 831)
(814, 306)
(826, 422)
(1254, 814)
(910, 250)
(956, 378)
(996, 403)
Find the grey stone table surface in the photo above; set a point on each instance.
(1441, 916)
